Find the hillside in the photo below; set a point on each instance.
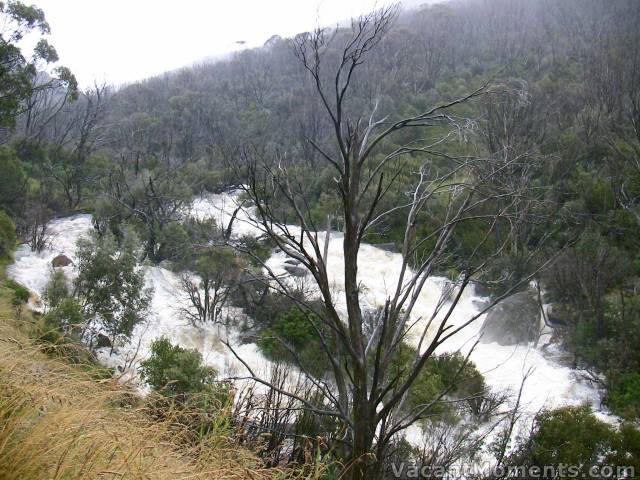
(412, 238)
(59, 421)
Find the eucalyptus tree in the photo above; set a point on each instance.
(19, 75)
(367, 155)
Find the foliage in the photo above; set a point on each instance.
(60, 334)
(293, 338)
(444, 376)
(218, 270)
(110, 285)
(575, 438)
(7, 235)
(56, 289)
(18, 75)
(14, 181)
(66, 316)
(624, 393)
(21, 294)
(173, 370)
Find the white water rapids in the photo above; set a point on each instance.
(551, 383)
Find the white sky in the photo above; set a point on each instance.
(120, 41)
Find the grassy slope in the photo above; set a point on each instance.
(57, 422)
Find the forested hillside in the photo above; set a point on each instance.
(492, 142)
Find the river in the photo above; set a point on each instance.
(552, 383)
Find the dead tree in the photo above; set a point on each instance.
(365, 394)
(217, 271)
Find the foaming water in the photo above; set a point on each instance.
(551, 383)
(31, 269)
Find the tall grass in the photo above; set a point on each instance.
(58, 422)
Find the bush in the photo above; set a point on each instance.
(66, 316)
(174, 243)
(294, 331)
(173, 370)
(447, 373)
(56, 289)
(574, 437)
(13, 184)
(21, 294)
(260, 249)
(60, 336)
(7, 235)
(624, 394)
(189, 395)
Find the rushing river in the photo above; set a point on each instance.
(550, 384)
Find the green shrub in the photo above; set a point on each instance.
(60, 336)
(449, 374)
(174, 243)
(574, 437)
(21, 294)
(66, 316)
(624, 394)
(7, 235)
(110, 284)
(189, 394)
(13, 184)
(173, 370)
(293, 339)
(56, 289)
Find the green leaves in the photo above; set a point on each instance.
(7, 235)
(110, 284)
(44, 51)
(18, 75)
(173, 370)
(27, 17)
(56, 289)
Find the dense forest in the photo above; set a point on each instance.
(492, 142)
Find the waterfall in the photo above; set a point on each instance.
(551, 383)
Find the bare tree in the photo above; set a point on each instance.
(365, 393)
(217, 270)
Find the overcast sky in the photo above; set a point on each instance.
(121, 41)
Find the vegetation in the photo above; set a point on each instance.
(110, 284)
(492, 142)
(573, 437)
(58, 422)
(172, 370)
(218, 271)
(18, 76)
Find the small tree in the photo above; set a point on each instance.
(110, 285)
(56, 289)
(218, 271)
(575, 438)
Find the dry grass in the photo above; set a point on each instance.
(57, 422)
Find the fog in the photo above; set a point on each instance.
(123, 41)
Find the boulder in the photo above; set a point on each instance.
(514, 320)
(61, 261)
(295, 271)
(103, 341)
(387, 247)
(166, 264)
(556, 316)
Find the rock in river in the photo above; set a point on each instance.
(514, 320)
(61, 261)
